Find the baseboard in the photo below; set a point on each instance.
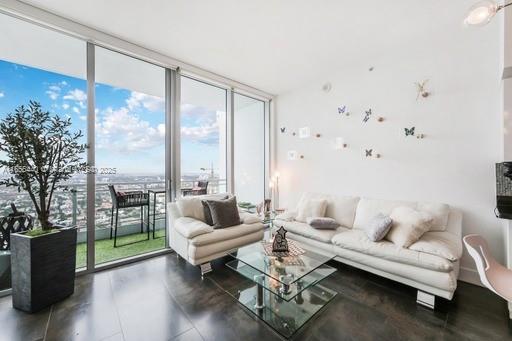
(470, 276)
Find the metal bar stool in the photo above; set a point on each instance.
(127, 200)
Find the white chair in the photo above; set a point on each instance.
(493, 275)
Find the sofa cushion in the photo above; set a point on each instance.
(227, 233)
(323, 223)
(439, 213)
(443, 244)
(305, 230)
(357, 240)
(369, 208)
(224, 212)
(249, 218)
(192, 207)
(378, 227)
(408, 226)
(340, 208)
(190, 227)
(311, 208)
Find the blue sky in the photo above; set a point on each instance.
(129, 125)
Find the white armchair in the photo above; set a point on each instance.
(198, 242)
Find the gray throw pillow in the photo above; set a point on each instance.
(322, 223)
(207, 213)
(224, 212)
(378, 227)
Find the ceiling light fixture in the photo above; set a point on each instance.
(482, 12)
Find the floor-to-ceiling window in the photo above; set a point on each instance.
(42, 65)
(203, 138)
(48, 68)
(130, 156)
(249, 149)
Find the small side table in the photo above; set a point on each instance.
(153, 193)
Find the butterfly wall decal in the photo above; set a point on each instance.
(343, 110)
(283, 130)
(409, 132)
(369, 152)
(367, 115)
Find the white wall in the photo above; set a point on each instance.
(462, 121)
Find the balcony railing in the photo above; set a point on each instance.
(69, 205)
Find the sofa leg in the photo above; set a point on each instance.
(205, 268)
(425, 299)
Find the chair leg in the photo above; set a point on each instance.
(115, 230)
(111, 221)
(141, 219)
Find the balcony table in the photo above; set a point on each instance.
(153, 193)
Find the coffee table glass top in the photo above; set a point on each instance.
(286, 270)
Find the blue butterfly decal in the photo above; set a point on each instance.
(367, 115)
(283, 129)
(369, 152)
(409, 131)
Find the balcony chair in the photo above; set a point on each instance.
(200, 189)
(127, 200)
(493, 275)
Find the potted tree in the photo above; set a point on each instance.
(41, 152)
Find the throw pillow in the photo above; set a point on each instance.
(408, 226)
(207, 213)
(224, 212)
(378, 227)
(323, 223)
(310, 208)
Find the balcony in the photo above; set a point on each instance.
(70, 206)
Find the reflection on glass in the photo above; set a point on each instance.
(249, 149)
(203, 138)
(130, 156)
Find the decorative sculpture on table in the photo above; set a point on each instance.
(280, 243)
(420, 89)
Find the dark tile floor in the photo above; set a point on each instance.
(165, 299)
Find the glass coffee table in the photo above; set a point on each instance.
(284, 292)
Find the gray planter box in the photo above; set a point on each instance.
(43, 269)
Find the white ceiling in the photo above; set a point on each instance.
(273, 45)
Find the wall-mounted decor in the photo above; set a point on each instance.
(304, 132)
(302, 156)
(367, 115)
(371, 153)
(420, 136)
(371, 68)
(317, 135)
(339, 143)
(420, 89)
(380, 119)
(294, 134)
(292, 155)
(327, 87)
(283, 129)
(343, 111)
(409, 132)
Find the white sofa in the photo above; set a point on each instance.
(198, 242)
(430, 265)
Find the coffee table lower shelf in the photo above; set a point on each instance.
(285, 317)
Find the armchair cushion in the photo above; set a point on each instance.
(224, 213)
(192, 206)
(190, 227)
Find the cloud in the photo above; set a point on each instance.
(125, 132)
(206, 134)
(65, 106)
(76, 95)
(2, 94)
(76, 110)
(151, 103)
(83, 117)
(53, 91)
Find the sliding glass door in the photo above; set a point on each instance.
(249, 147)
(203, 138)
(130, 156)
